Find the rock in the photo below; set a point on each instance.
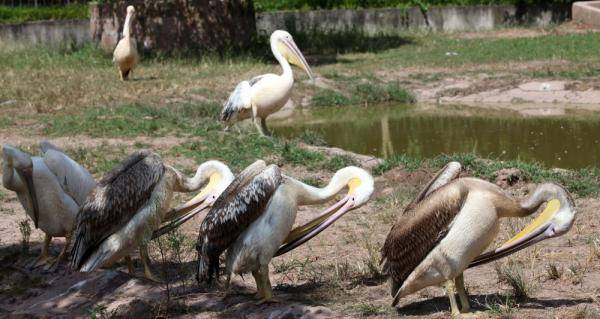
(8, 103)
(507, 177)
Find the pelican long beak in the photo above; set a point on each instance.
(297, 58)
(539, 229)
(304, 233)
(27, 176)
(185, 212)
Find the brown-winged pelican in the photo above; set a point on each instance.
(51, 188)
(266, 94)
(443, 233)
(130, 202)
(125, 56)
(254, 216)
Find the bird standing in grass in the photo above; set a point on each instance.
(51, 188)
(444, 232)
(267, 93)
(125, 56)
(129, 204)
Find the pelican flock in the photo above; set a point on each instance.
(266, 94)
(51, 188)
(250, 218)
(444, 233)
(125, 56)
(254, 216)
(130, 202)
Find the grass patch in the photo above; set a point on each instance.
(337, 162)
(366, 93)
(135, 119)
(20, 14)
(511, 273)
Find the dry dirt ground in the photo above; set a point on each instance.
(336, 275)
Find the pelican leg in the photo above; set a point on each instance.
(267, 290)
(146, 261)
(259, 289)
(451, 290)
(462, 294)
(43, 257)
(53, 265)
(121, 75)
(227, 283)
(130, 267)
(263, 124)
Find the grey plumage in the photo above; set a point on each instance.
(237, 207)
(118, 196)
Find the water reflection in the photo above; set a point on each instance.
(567, 142)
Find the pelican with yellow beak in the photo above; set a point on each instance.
(446, 230)
(129, 203)
(267, 93)
(254, 216)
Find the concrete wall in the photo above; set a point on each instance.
(160, 30)
(53, 33)
(374, 21)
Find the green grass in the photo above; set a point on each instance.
(135, 119)
(20, 14)
(364, 94)
(583, 182)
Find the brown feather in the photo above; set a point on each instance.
(114, 201)
(419, 229)
(237, 207)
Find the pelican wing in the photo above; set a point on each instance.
(116, 199)
(75, 180)
(444, 176)
(239, 205)
(240, 98)
(419, 230)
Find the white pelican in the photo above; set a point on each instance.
(267, 93)
(254, 216)
(51, 188)
(438, 237)
(130, 202)
(125, 56)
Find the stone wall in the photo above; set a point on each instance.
(172, 25)
(587, 12)
(376, 21)
(53, 33)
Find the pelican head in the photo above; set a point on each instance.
(286, 46)
(216, 176)
(556, 220)
(360, 187)
(130, 10)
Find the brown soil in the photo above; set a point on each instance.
(335, 275)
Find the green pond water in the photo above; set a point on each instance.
(569, 141)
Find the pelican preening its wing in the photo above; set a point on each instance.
(254, 216)
(125, 56)
(51, 188)
(437, 238)
(267, 93)
(130, 202)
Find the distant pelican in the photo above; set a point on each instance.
(125, 56)
(437, 238)
(255, 214)
(51, 188)
(130, 202)
(267, 93)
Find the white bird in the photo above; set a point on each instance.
(444, 232)
(125, 56)
(267, 93)
(130, 202)
(254, 216)
(51, 188)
